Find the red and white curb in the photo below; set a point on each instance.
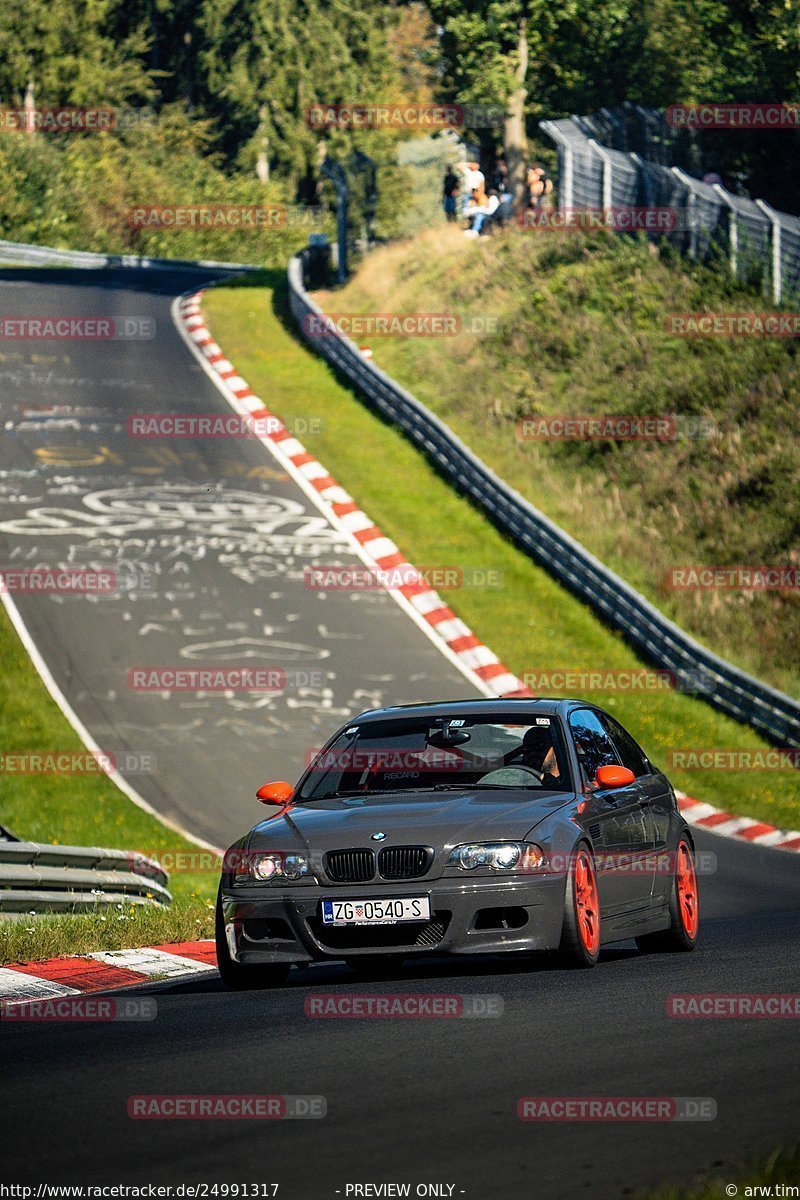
(104, 971)
(425, 606)
(743, 829)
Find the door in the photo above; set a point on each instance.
(656, 800)
(616, 820)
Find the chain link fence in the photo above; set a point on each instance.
(622, 158)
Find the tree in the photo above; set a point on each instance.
(265, 63)
(71, 53)
(495, 52)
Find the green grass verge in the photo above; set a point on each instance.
(189, 917)
(581, 330)
(81, 810)
(760, 1178)
(530, 622)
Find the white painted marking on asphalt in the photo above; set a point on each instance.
(450, 630)
(773, 838)
(313, 470)
(697, 811)
(356, 520)
(380, 547)
(479, 656)
(336, 495)
(427, 602)
(506, 683)
(729, 828)
(79, 727)
(150, 962)
(15, 985)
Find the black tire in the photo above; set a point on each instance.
(576, 949)
(234, 975)
(376, 966)
(680, 937)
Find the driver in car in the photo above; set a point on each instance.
(535, 756)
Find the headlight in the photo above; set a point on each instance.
(272, 865)
(498, 856)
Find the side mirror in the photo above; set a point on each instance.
(278, 794)
(614, 777)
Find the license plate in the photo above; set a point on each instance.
(375, 912)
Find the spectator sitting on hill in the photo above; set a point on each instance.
(476, 200)
(472, 177)
(482, 211)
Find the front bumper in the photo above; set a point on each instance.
(485, 915)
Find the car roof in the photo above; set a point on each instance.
(495, 705)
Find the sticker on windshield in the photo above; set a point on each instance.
(457, 724)
(542, 720)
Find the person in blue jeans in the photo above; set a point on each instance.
(480, 213)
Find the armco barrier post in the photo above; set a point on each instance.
(775, 241)
(608, 177)
(733, 229)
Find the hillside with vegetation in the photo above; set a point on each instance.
(579, 330)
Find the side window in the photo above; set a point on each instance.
(594, 746)
(632, 757)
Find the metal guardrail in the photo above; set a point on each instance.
(13, 253)
(658, 639)
(37, 877)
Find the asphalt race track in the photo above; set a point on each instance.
(417, 1101)
(208, 540)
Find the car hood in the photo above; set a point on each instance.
(434, 819)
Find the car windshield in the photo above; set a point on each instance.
(441, 754)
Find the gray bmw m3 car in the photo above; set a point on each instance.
(465, 827)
